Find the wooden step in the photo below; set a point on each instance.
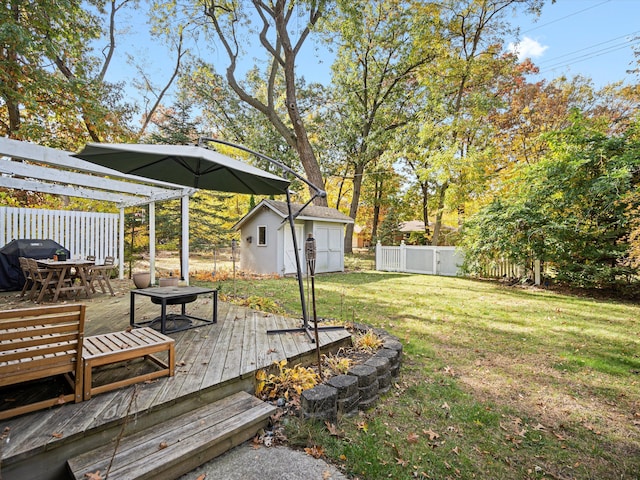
(177, 446)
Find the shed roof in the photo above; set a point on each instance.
(310, 212)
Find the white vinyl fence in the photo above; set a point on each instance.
(82, 233)
(419, 259)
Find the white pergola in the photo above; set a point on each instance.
(63, 174)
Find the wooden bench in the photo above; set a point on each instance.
(111, 348)
(41, 342)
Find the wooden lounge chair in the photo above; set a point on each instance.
(38, 343)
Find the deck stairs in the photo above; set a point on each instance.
(179, 445)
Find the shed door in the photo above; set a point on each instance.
(289, 255)
(329, 249)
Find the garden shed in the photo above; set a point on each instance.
(266, 243)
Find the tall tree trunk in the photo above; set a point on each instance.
(376, 209)
(424, 187)
(302, 143)
(442, 190)
(343, 178)
(353, 209)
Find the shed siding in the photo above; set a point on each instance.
(329, 247)
(261, 259)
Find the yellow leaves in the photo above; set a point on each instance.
(337, 364)
(367, 342)
(287, 383)
(363, 426)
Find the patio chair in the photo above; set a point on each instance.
(28, 281)
(101, 274)
(41, 280)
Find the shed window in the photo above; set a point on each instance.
(262, 235)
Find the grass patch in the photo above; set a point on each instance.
(497, 382)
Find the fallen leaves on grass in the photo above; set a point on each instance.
(449, 371)
(432, 435)
(333, 429)
(362, 425)
(315, 451)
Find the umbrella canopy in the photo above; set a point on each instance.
(186, 165)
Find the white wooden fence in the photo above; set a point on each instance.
(419, 259)
(82, 233)
(442, 261)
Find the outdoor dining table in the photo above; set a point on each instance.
(67, 271)
(164, 296)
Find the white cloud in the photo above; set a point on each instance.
(527, 48)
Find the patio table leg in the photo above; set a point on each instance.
(62, 273)
(45, 285)
(82, 272)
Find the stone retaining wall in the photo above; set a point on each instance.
(359, 388)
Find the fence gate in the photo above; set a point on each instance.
(419, 259)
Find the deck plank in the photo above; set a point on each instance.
(289, 339)
(268, 347)
(233, 359)
(188, 365)
(215, 368)
(249, 360)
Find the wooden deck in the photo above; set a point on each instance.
(212, 362)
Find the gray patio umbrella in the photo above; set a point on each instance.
(187, 165)
(198, 167)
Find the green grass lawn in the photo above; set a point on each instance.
(496, 383)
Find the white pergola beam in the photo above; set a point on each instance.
(61, 158)
(69, 190)
(91, 181)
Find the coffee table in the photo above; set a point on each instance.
(164, 296)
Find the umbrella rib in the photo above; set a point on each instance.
(141, 168)
(249, 187)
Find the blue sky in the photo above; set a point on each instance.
(587, 37)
